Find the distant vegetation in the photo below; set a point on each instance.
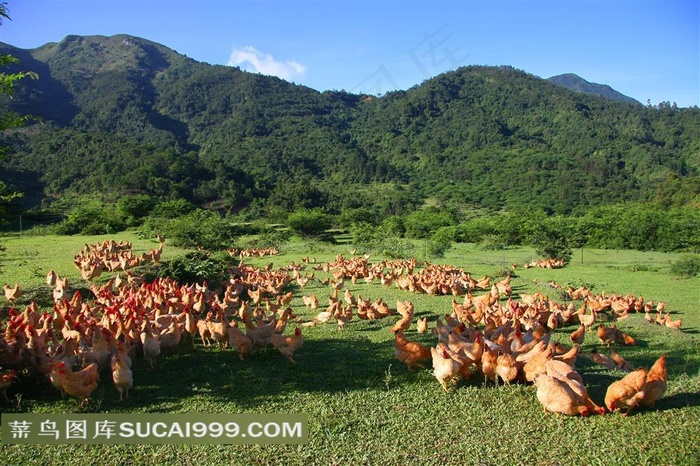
(134, 135)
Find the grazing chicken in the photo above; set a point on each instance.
(6, 380)
(445, 369)
(12, 293)
(287, 345)
(628, 391)
(620, 362)
(410, 352)
(311, 302)
(602, 360)
(122, 376)
(79, 384)
(558, 397)
(656, 382)
(568, 375)
(578, 335)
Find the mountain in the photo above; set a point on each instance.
(124, 115)
(578, 84)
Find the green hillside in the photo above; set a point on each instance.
(123, 115)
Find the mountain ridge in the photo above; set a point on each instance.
(124, 114)
(578, 84)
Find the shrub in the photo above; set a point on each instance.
(200, 228)
(135, 208)
(687, 266)
(198, 266)
(92, 218)
(309, 223)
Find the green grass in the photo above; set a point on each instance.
(363, 405)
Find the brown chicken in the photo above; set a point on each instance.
(620, 362)
(558, 397)
(287, 345)
(675, 324)
(12, 293)
(489, 363)
(656, 382)
(602, 360)
(410, 352)
(605, 335)
(565, 373)
(506, 368)
(149, 344)
(122, 376)
(404, 308)
(535, 365)
(445, 369)
(6, 380)
(628, 391)
(79, 384)
(578, 335)
(239, 341)
(422, 325)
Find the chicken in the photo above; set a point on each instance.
(668, 322)
(287, 345)
(122, 376)
(11, 294)
(79, 384)
(558, 397)
(535, 365)
(507, 368)
(489, 362)
(565, 373)
(602, 360)
(422, 325)
(620, 362)
(240, 341)
(410, 352)
(6, 380)
(406, 310)
(170, 336)
(578, 335)
(149, 344)
(656, 382)
(605, 335)
(628, 391)
(570, 356)
(445, 369)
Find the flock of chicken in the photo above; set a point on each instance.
(504, 340)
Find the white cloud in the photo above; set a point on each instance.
(251, 59)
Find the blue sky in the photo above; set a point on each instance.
(644, 49)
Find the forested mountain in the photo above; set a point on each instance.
(122, 115)
(578, 84)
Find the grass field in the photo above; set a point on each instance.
(364, 407)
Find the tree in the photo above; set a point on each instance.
(9, 120)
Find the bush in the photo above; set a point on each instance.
(135, 208)
(423, 223)
(309, 223)
(197, 267)
(441, 242)
(687, 266)
(200, 228)
(92, 218)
